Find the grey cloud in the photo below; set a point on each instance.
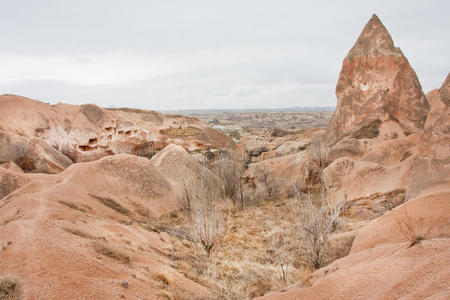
(205, 54)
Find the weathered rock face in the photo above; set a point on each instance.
(88, 132)
(437, 126)
(376, 84)
(431, 170)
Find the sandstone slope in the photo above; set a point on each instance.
(86, 232)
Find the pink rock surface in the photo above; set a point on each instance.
(377, 83)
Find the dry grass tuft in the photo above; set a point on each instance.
(71, 205)
(81, 233)
(181, 132)
(111, 252)
(141, 210)
(9, 288)
(112, 204)
(369, 131)
(165, 281)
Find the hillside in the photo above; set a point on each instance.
(117, 203)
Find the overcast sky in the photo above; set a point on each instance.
(169, 54)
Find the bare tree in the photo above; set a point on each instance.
(207, 225)
(229, 168)
(281, 251)
(316, 219)
(206, 213)
(272, 184)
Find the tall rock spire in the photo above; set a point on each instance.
(377, 83)
(374, 40)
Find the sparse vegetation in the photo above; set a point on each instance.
(369, 131)
(406, 155)
(320, 152)
(316, 219)
(109, 251)
(67, 150)
(229, 168)
(163, 279)
(71, 205)
(181, 131)
(206, 215)
(258, 151)
(9, 288)
(414, 230)
(111, 204)
(81, 233)
(281, 251)
(26, 159)
(207, 225)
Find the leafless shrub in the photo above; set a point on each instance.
(316, 219)
(414, 230)
(207, 226)
(145, 150)
(229, 168)
(320, 152)
(206, 214)
(272, 184)
(281, 252)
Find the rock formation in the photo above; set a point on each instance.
(390, 153)
(379, 120)
(431, 169)
(88, 132)
(92, 219)
(376, 85)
